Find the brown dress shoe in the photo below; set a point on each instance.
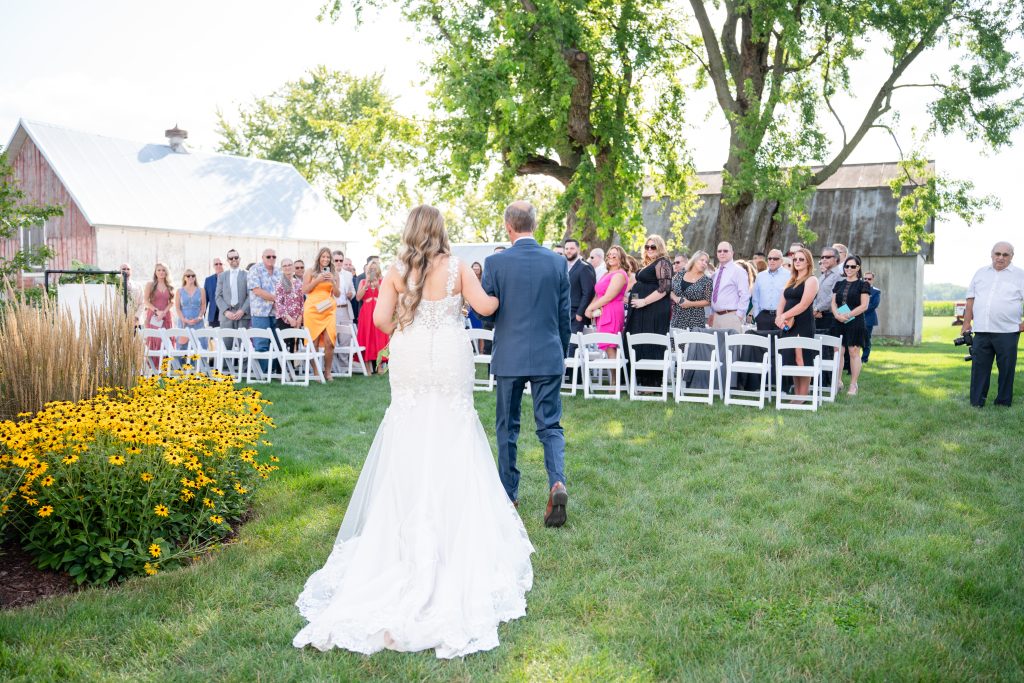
(554, 515)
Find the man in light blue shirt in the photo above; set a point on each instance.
(768, 288)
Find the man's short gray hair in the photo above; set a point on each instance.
(521, 216)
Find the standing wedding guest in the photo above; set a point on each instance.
(679, 263)
(370, 338)
(730, 294)
(321, 286)
(582, 279)
(344, 318)
(993, 313)
(795, 315)
(357, 281)
(233, 296)
(651, 308)
(823, 318)
(850, 297)
(350, 267)
(768, 288)
(136, 294)
(262, 282)
(632, 268)
(474, 319)
(759, 261)
(288, 300)
(596, 260)
(842, 253)
(210, 289)
(691, 293)
(190, 302)
(606, 307)
(157, 298)
(871, 316)
(558, 250)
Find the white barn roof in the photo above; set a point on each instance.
(121, 183)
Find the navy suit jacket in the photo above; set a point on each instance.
(210, 285)
(531, 325)
(582, 279)
(870, 315)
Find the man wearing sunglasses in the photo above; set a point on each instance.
(824, 321)
(233, 296)
(994, 300)
(262, 281)
(730, 292)
(210, 287)
(768, 287)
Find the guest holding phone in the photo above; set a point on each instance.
(850, 297)
(370, 338)
(321, 286)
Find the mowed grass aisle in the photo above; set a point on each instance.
(881, 538)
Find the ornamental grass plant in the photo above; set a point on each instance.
(130, 481)
(45, 356)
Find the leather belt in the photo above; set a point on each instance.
(767, 311)
(725, 312)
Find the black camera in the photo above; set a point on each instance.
(965, 339)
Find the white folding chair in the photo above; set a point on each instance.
(475, 336)
(255, 374)
(662, 365)
(811, 370)
(345, 356)
(154, 359)
(598, 365)
(300, 364)
(734, 344)
(206, 345)
(233, 353)
(686, 343)
(180, 356)
(574, 365)
(830, 365)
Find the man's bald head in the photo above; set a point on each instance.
(521, 217)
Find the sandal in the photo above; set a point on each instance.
(852, 391)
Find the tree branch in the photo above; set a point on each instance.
(732, 52)
(716, 67)
(539, 165)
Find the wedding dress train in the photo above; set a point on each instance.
(431, 553)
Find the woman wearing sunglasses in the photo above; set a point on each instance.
(795, 315)
(850, 298)
(650, 305)
(189, 303)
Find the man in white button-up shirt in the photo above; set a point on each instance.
(768, 287)
(994, 300)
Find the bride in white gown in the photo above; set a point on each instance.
(431, 553)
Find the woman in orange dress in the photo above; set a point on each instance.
(370, 338)
(320, 285)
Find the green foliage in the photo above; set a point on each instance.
(939, 308)
(945, 291)
(17, 214)
(777, 65)
(584, 93)
(341, 132)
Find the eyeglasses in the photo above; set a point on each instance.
(774, 258)
(650, 247)
(825, 256)
(851, 266)
(338, 260)
(233, 258)
(1003, 254)
(217, 263)
(869, 279)
(271, 257)
(799, 259)
(723, 251)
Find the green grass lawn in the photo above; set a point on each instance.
(881, 538)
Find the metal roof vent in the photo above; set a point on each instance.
(176, 139)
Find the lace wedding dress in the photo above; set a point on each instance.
(431, 553)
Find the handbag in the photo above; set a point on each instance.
(324, 305)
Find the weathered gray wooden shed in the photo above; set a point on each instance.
(854, 207)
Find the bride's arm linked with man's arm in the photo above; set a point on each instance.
(387, 300)
(473, 292)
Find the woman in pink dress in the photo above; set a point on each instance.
(369, 337)
(607, 305)
(158, 296)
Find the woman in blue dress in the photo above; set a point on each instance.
(190, 302)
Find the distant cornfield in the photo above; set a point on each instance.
(938, 308)
(45, 357)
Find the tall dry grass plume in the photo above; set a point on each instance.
(45, 357)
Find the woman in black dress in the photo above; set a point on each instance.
(795, 315)
(650, 309)
(691, 292)
(849, 302)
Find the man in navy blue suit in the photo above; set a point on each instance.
(210, 286)
(531, 338)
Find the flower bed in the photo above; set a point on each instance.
(130, 482)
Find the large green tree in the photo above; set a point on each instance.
(582, 92)
(341, 132)
(17, 214)
(777, 66)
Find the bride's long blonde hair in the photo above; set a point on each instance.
(423, 239)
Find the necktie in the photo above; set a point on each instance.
(718, 280)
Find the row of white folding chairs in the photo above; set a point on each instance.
(290, 356)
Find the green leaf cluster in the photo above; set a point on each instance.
(17, 214)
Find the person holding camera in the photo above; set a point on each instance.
(994, 300)
(321, 286)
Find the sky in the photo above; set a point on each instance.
(133, 69)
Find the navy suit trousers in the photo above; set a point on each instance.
(547, 413)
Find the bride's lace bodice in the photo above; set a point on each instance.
(432, 354)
